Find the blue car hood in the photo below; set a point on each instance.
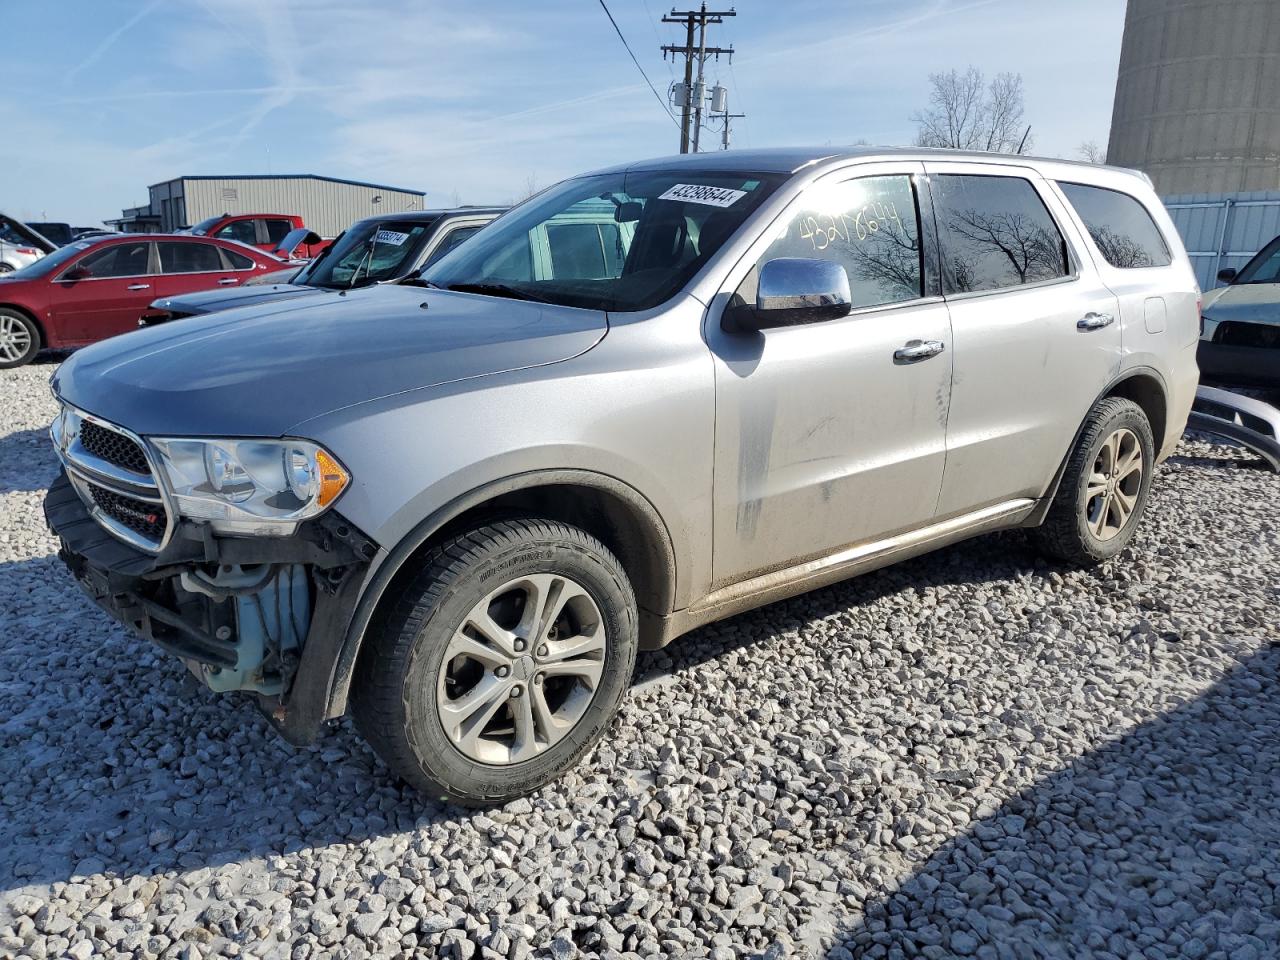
(257, 371)
(207, 301)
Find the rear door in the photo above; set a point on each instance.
(119, 286)
(1036, 337)
(189, 265)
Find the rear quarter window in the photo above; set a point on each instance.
(1122, 230)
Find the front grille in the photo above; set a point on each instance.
(113, 447)
(145, 519)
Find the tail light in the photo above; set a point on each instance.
(29, 251)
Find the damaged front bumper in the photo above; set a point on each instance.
(262, 615)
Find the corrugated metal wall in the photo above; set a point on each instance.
(327, 207)
(1196, 103)
(1224, 230)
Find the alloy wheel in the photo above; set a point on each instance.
(1114, 485)
(15, 338)
(521, 669)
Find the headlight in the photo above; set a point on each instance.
(259, 487)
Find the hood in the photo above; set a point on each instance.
(33, 238)
(207, 301)
(258, 371)
(1252, 302)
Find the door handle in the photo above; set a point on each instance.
(227, 280)
(1095, 321)
(913, 351)
(138, 286)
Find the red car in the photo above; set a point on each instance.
(94, 289)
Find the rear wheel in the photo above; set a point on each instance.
(19, 339)
(1104, 490)
(501, 663)
(5, 268)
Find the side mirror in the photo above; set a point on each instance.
(796, 290)
(1227, 274)
(77, 273)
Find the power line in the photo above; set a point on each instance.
(618, 31)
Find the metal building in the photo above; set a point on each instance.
(1224, 230)
(1197, 103)
(328, 205)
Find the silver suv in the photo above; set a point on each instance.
(643, 400)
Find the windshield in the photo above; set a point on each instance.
(204, 226)
(1263, 268)
(617, 241)
(46, 265)
(368, 252)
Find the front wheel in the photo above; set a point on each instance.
(19, 339)
(501, 663)
(1105, 488)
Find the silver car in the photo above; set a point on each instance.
(645, 399)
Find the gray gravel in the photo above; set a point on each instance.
(972, 754)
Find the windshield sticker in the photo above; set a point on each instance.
(390, 236)
(711, 196)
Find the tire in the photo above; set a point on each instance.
(1101, 500)
(19, 339)
(427, 656)
(5, 268)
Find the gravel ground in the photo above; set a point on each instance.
(974, 753)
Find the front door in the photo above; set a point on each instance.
(1036, 337)
(827, 434)
(104, 292)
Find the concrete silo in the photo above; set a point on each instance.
(1198, 95)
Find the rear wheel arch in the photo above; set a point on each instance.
(1145, 387)
(612, 511)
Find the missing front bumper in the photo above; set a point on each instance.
(230, 608)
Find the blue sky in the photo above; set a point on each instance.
(473, 102)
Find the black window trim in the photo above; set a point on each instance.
(1102, 261)
(969, 169)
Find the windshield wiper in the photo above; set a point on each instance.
(498, 290)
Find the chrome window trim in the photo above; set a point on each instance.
(83, 468)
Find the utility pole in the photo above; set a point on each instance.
(694, 92)
(726, 117)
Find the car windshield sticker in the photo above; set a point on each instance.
(711, 196)
(391, 236)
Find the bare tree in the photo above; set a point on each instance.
(1091, 152)
(967, 113)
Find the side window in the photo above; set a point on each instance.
(277, 230)
(242, 230)
(451, 241)
(996, 233)
(1124, 232)
(576, 251)
(189, 258)
(869, 226)
(234, 261)
(119, 260)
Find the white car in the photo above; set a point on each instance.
(20, 245)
